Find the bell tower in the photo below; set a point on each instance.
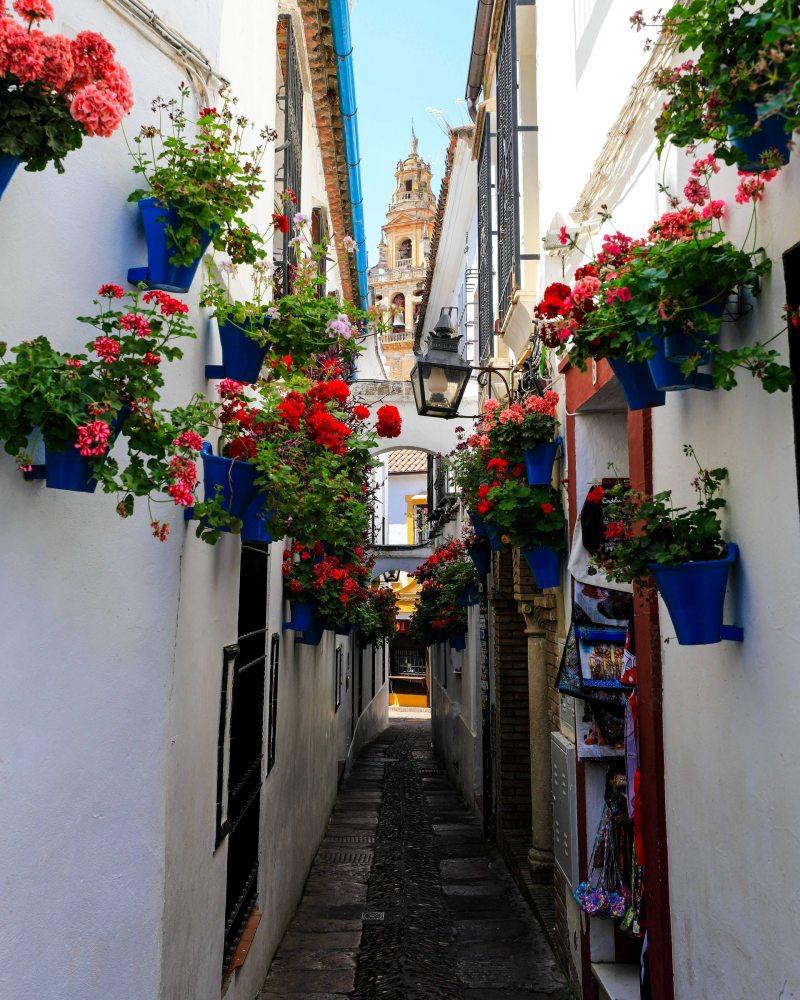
(397, 280)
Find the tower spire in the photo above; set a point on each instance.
(414, 140)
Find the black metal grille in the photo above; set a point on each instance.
(274, 663)
(245, 706)
(289, 154)
(373, 671)
(507, 162)
(485, 263)
(337, 679)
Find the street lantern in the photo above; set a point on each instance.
(440, 377)
(391, 575)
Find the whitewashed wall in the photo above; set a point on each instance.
(112, 641)
(730, 710)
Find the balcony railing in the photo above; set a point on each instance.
(404, 273)
(398, 337)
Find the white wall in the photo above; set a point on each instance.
(730, 710)
(112, 641)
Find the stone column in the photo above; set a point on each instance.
(540, 856)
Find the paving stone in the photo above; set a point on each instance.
(405, 900)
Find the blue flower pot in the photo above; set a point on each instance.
(458, 641)
(232, 481)
(481, 559)
(68, 470)
(8, 164)
(694, 594)
(312, 636)
(771, 134)
(478, 524)
(160, 272)
(470, 595)
(242, 357)
(303, 615)
(345, 628)
(493, 534)
(255, 523)
(539, 462)
(637, 384)
(545, 565)
(666, 374)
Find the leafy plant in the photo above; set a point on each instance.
(748, 71)
(651, 529)
(376, 616)
(526, 516)
(55, 90)
(522, 426)
(202, 171)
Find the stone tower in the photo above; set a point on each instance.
(397, 280)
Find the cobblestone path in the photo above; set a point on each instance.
(405, 901)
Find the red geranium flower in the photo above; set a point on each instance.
(547, 508)
(389, 423)
(361, 412)
(595, 494)
(280, 222)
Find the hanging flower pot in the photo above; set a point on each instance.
(303, 614)
(494, 536)
(667, 375)
(231, 481)
(770, 135)
(457, 641)
(539, 462)
(67, 469)
(637, 384)
(478, 524)
(8, 164)
(470, 595)
(160, 273)
(343, 628)
(312, 636)
(242, 357)
(255, 523)
(481, 559)
(694, 594)
(545, 565)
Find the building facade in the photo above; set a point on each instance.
(173, 753)
(540, 755)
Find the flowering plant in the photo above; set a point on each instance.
(251, 316)
(679, 277)
(376, 616)
(298, 566)
(521, 426)
(651, 529)
(452, 552)
(207, 177)
(83, 400)
(341, 583)
(305, 322)
(437, 613)
(468, 463)
(55, 90)
(747, 73)
(524, 515)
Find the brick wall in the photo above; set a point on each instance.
(512, 771)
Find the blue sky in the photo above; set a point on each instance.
(409, 56)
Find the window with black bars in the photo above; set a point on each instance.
(289, 152)
(242, 743)
(485, 257)
(791, 272)
(508, 242)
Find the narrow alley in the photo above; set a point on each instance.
(405, 899)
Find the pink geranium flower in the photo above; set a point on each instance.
(106, 348)
(93, 438)
(97, 111)
(34, 10)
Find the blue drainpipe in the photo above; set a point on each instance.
(343, 47)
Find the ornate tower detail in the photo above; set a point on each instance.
(398, 278)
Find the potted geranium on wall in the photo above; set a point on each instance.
(201, 181)
(53, 90)
(298, 584)
(526, 429)
(79, 403)
(530, 518)
(681, 549)
(741, 91)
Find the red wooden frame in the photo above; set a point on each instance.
(580, 387)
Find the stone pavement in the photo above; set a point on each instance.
(405, 901)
